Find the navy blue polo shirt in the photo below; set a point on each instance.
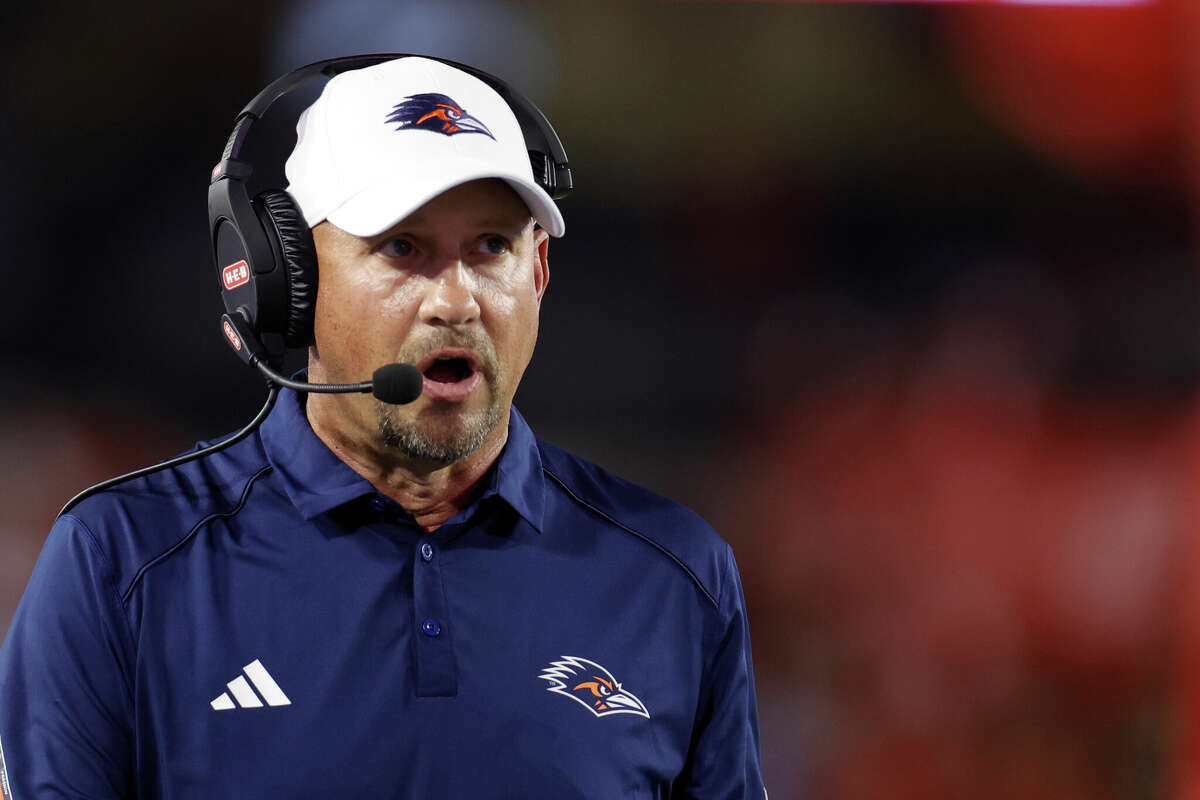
(262, 623)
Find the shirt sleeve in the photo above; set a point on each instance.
(66, 704)
(724, 761)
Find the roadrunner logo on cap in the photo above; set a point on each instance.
(592, 686)
(435, 112)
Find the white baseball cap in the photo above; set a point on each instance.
(382, 141)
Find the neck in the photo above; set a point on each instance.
(432, 493)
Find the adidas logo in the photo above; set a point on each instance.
(245, 696)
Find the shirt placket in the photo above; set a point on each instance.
(436, 666)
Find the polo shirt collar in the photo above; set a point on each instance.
(517, 475)
(316, 480)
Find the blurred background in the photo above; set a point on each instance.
(903, 298)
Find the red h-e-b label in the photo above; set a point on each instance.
(236, 274)
(231, 335)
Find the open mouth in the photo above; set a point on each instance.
(449, 370)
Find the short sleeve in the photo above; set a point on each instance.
(65, 699)
(725, 761)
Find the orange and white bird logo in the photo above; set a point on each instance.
(592, 686)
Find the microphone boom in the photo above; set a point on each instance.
(396, 383)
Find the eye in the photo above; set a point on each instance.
(494, 245)
(452, 114)
(397, 248)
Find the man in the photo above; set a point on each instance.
(371, 600)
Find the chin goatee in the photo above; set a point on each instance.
(421, 445)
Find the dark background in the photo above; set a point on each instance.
(900, 297)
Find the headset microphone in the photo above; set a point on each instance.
(396, 383)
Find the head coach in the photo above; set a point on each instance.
(374, 595)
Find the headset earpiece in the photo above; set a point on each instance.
(298, 257)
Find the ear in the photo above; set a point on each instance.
(541, 266)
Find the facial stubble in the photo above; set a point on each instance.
(417, 442)
(421, 440)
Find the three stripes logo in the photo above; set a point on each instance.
(244, 696)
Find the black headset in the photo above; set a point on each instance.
(265, 258)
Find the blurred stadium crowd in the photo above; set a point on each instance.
(902, 298)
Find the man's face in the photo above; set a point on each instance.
(455, 289)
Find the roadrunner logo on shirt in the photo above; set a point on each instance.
(438, 113)
(592, 686)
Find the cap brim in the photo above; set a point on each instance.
(392, 198)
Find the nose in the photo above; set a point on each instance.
(450, 297)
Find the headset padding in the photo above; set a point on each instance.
(299, 263)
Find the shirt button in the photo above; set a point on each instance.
(427, 551)
(431, 627)
(378, 503)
